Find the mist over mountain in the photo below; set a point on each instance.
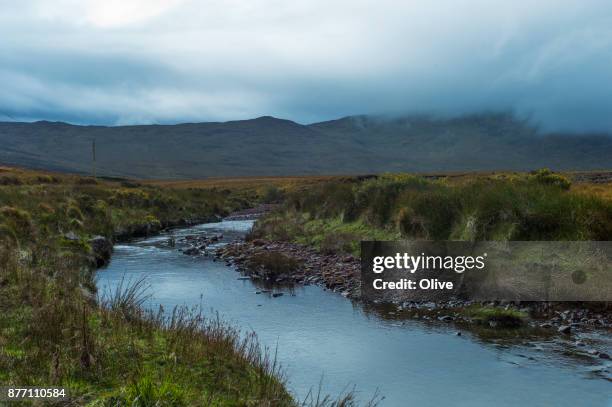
(272, 146)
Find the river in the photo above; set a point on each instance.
(321, 335)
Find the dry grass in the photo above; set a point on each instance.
(603, 190)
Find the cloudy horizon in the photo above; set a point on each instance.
(168, 61)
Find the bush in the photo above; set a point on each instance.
(17, 220)
(547, 177)
(273, 264)
(10, 180)
(47, 179)
(152, 221)
(272, 194)
(429, 214)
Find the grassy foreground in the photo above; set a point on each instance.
(53, 332)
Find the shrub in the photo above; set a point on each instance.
(272, 194)
(18, 220)
(376, 198)
(10, 180)
(273, 263)
(152, 221)
(547, 177)
(47, 179)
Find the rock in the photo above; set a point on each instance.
(102, 249)
(603, 355)
(546, 325)
(458, 333)
(192, 251)
(565, 329)
(277, 295)
(258, 242)
(446, 318)
(71, 236)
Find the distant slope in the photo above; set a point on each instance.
(270, 146)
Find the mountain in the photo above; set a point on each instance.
(271, 146)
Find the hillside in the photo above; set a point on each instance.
(269, 146)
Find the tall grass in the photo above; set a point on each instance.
(109, 351)
(538, 206)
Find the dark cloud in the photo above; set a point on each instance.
(170, 60)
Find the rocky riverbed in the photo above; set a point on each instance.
(341, 274)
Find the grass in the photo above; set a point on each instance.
(273, 264)
(495, 316)
(541, 205)
(109, 351)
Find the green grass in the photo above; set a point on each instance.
(495, 316)
(537, 206)
(327, 235)
(111, 352)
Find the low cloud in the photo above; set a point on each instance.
(164, 61)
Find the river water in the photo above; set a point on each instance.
(322, 337)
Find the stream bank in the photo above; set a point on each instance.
(341, 274)
(316, 333)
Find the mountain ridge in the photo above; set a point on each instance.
(267, 146)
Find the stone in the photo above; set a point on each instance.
(71, 236)
(102, 249)
(192, 251)
(565, 329)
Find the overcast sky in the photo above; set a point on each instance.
(166, 61)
